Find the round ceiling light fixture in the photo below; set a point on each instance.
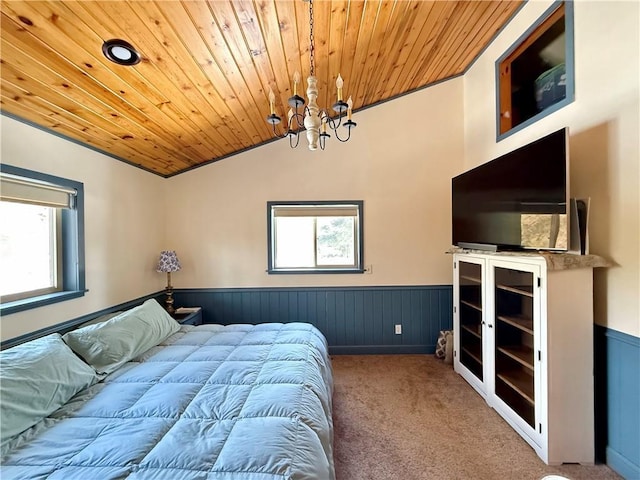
(120, 52)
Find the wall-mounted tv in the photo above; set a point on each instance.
(517, 201)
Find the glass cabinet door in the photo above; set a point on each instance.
(514, 341)
(470, 294)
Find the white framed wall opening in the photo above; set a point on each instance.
(41, 239)
(315, 237)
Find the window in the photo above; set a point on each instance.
(535, 77)
(315, 237)
(28, 249)
(41, 239)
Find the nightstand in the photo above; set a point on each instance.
(190, 318)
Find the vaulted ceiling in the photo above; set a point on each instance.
(200, 92)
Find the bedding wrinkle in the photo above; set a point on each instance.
(160, 381)
(297, 451)
(224, 400)
(78, 454)
(186, 406)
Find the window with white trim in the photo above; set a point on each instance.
(315, 237)
(41, 239)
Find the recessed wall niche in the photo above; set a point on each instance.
(535, 77)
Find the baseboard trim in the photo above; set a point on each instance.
(622, 465)
(380, 349)
(311, 289)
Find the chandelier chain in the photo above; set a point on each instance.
(312, 68)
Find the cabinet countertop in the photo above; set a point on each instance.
(555, 260)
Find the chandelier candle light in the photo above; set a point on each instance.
(168, 263)
(311, 117)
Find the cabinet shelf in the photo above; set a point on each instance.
(520, 353)
(518, 321)
(475, 306)
(473, 332)
(471, 279)
(475, 352)
(520, 382)
(512, 289)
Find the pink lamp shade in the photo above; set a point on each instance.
(168, 262)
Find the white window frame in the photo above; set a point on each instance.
(316, 209)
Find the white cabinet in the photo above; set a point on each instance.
(524, 340)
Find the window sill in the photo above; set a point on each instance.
(39, 301)
(314, 271)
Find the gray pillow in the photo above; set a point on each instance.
(108, 345)
(37, 378)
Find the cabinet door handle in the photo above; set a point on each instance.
(490, 326)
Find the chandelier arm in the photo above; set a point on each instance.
(324, 114)
(343, 140)
(297, 135)
(333, 124)
(278, 135)
(340, 139)
(295, 131)
(299, 117)
(349, 127)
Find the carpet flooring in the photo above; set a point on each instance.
(411, 417)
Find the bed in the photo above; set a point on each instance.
(208, 402)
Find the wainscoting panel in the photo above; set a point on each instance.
(354, 319)
(617, 371)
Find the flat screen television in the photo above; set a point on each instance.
(517, 201)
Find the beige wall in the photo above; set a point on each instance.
(399, 161)
(604, 145)
(124, 230)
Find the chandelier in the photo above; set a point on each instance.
(311, 117)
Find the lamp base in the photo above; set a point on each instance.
(169, 302)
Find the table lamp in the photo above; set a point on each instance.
(168, 263)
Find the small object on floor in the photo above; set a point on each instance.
(448, 349)
(444, 346)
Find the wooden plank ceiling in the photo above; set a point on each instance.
(201, 90)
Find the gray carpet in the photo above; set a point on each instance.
(411, 417)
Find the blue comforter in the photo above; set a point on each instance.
(212, 402)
